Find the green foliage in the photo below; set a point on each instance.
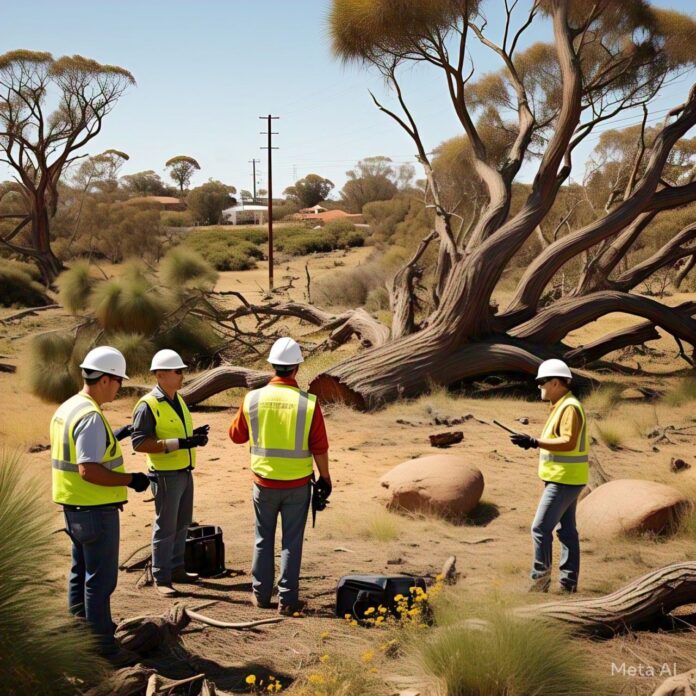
(50, 376)
(284, 210)
(372, 179)
(147, 183)
(137, 349)
(507, 656)
(43, 649)
(129, 303)
(207, 202)
(298, 241)
(193, 339)
(185, 267)
(173, 218)
(75, 286)
(310, 190)
(224, 249)
(19, 287)
(377, 299)
(181, 169)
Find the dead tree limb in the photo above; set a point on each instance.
(684, 270)
(30, 312)
(683, 684)
(220, 378)
(640, 603)
(403, 292)
(370, 331)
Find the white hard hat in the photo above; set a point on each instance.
(166, 360)
(554, 368)
(285, 351)
(105, 359)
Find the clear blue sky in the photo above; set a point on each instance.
(206, 69)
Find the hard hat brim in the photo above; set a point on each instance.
(103, 372)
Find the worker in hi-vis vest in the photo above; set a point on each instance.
(90, 482)
(564, 469)
(285, 429)
(163, 429)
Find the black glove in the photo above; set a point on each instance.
(524, 441)
(193, 441)
(123, 432)
(201, 430)
(323, 488)
(139, 482)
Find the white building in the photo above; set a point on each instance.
(245, 213)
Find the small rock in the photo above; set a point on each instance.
(38, 448)
(394, 561)
(524, 420)
(677, 465)
(655, 448)
(446, 439)
(342, 549)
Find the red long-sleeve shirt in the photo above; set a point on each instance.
(318, 439)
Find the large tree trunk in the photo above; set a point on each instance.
(641, 603)
(49, 264)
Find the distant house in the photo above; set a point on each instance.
(325, 216)
(312, 211)
(160, 202)
(245, 213)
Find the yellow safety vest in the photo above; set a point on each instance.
(279, 418)
(69, 488)
(571, 467)
(168, 425)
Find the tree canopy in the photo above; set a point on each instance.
(309, 190)
(181, 169)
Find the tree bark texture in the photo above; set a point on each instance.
(640, 603)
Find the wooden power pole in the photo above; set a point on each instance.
(270, 149)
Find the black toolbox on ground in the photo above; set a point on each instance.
(205, 550)
(357, 593)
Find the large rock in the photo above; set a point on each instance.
(630, 506)
(440, 483)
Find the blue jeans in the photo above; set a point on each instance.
(173, 491)
(94, 572)
(292, 504)
(557, 509)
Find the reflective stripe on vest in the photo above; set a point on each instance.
(279, 439)
(69, 487)
(570, 467)
(168, 424)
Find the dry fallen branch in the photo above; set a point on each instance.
(642, 602)
(30, 312)
(221, 378)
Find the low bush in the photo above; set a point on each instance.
(172, 218)
(506, 656)
(186, 267)
(19, 287)
(44, 650)
(224, 249)
(377, 299)
(137, 350)
(75, 286)
(51, 375)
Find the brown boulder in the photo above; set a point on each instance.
(444, 484)
(630, 506)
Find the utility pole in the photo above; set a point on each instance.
(253, 164)
(270, 149)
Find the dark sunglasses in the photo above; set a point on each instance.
(542, 382)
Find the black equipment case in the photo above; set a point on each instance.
(357, 593)
(205, 550)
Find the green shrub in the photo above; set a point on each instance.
(193, 339)
(224, 249)
(507, 656)
(75, 286)
(44, 650)
(172, 218)
(186, 267)
(252, 234)
(19, 287)
(50, 376)
(377, 299)
(307, 243)
(136, 348)
(129, 303)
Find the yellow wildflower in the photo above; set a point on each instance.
(367, 656)
(324, 658)
(251, 679)
(316, 679)
(325, 634)
(369, 610)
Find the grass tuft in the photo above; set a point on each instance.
(44, 650)
(75, 286)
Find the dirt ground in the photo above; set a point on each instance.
(355, 534)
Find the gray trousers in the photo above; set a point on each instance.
(557, 509)
(292, 504)
(173, 491)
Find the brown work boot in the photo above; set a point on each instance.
(258, 603)
(180, 575)
(292, 609)
(165, 590)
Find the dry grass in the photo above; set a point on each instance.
(612, 432)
